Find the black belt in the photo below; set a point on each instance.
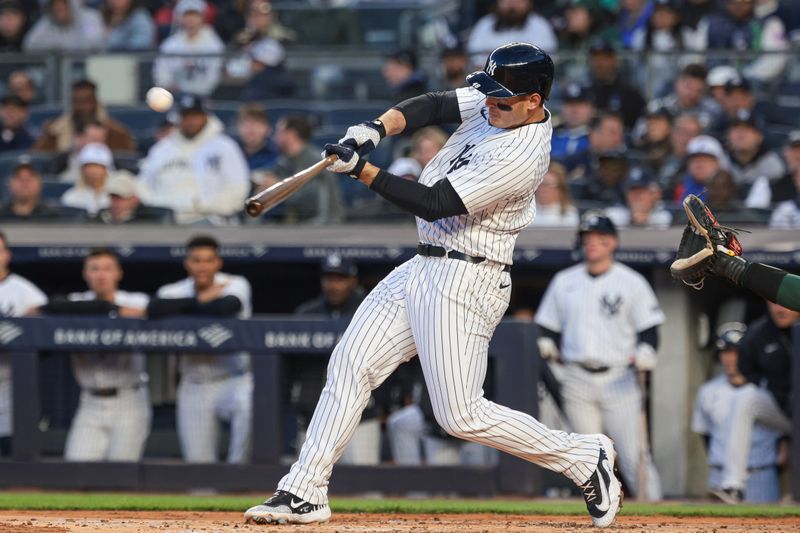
(110, 392)
(429, 250)
(594, 369)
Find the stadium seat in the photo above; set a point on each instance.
(53, 190)
(343, 114)
(41, 114)
(9, 159)
(141, 121)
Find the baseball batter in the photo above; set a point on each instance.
(712, 409)
(18, 297)
(472, 200)
(604, 316)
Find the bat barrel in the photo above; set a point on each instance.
(253, 207)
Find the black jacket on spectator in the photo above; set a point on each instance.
(40, 213)
(20, 139)
(143, 215)
(725, 32)
(765, 359)
(619, 96)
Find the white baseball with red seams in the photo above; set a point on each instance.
(445, 311)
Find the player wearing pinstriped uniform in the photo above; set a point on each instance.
(18, 297)
(443, 305)
(603, 316)
(713, 406)
(113, 417)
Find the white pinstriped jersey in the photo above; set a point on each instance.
(17, 297)
(110, 370)
(599, 316)
(495, 172)
(204, 367)
(711, 409)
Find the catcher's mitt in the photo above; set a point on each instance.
(702, 239)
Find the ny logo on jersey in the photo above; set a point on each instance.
(610, 305)
(462, 159)
(491, 67)
(214, 163)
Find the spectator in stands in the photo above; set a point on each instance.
(584, 21)
(319, 202)
(20, 84)
(572, 136)
(603, 182)
(65, 26)
(14, 24)
(610, 90)
(402, 76)
(90, 192)
(454, 65)
(66, 164)
(694, 15)
(25, 195)
(230, 18)
(737, 28)
(607, 133)
(738, 97)
(554, 205)
(705, 158)
(425, 144)
(664, 30)
(765, 361)
(58, 134)
(125, 204)
(749, 156)
(18, 297)
(261, 23)
(511, 21)
(200, 73)
(268, 77)
(128, 26)
(716, 81)
(13, 118)
(634, 19)
(656, 143)
(710, 419)
(112, 421)
(197, 171)
(213, 388)
(722, 193)
(253, 135)
(643, 206)
(685, 128)
(689, 95)
(766, 192)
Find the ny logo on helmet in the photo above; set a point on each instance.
(491, 67)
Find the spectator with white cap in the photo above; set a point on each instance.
(125, 206)
(95, 161)
(268, 75)
(718, 77)
(197, 170)
(197, 75)
(705, 158)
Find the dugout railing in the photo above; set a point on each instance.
(269, 341)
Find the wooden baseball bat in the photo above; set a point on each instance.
(277, 193)
(644, 441)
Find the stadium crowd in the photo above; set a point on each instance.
(702, 121)
(707, 122)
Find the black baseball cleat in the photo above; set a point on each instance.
(727, 495)
(603, 491)
(286, 508)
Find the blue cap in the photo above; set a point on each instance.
(336, 264)
(639, 177)
(575, 92)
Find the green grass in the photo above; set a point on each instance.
(172, 502)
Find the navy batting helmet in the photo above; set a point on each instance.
(596, 221)
(729, 335)
(514, 69)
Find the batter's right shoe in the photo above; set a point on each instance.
(286, 508)
(603, 491)
(730, 496)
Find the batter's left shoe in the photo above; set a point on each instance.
(286, 508)
(603, 491)
(729, 496)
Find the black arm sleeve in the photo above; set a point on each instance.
(62, 306)
(161, 307)
(648, 336)
(430, 108)
(550, 334)
(429, 203)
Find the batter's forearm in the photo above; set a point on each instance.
(428, 203)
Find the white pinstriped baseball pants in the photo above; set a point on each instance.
(445, 311)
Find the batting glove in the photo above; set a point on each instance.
(348, 163)
(364, 137)
(644, 358)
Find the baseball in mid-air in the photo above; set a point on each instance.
(159, 99)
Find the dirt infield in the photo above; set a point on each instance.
(185, 522)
